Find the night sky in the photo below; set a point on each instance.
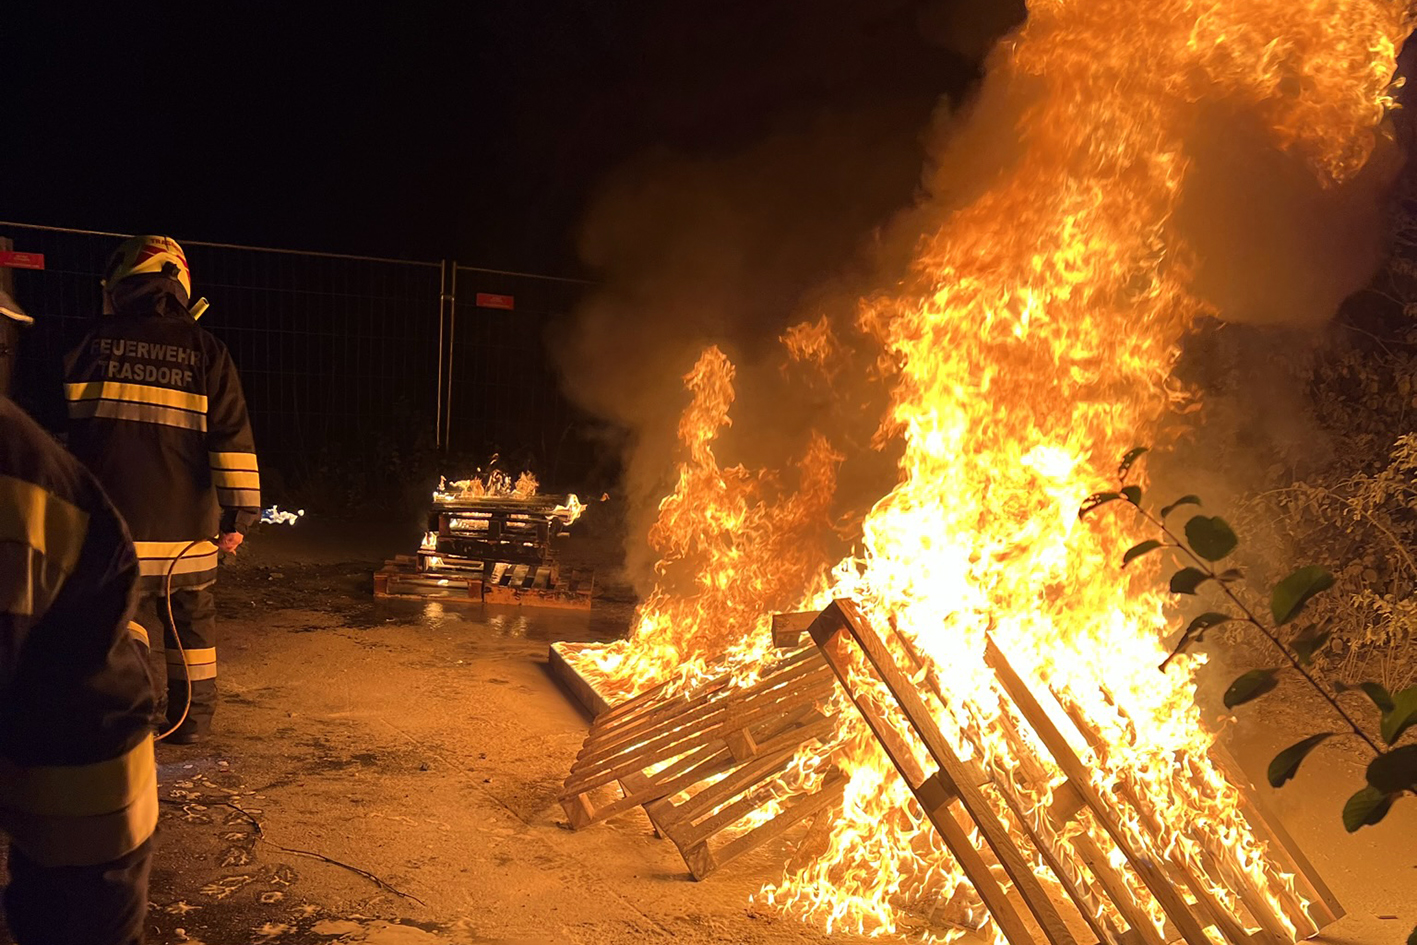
(476, 130)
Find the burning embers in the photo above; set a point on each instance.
(1032, 343)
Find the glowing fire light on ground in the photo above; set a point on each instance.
(1032, 352)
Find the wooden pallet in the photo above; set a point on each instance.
(952, 797)
(701, 762)
(403, 578)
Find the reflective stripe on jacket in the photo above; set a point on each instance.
(78, 785)
(157, 413)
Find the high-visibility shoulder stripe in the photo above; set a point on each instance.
(139, 413)
(227, 479)
(81, 815)
(136, 393)
(41, 537)
(234, 462)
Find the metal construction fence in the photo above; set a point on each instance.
(348, 362)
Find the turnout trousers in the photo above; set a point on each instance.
(78, 905)
(193, 625)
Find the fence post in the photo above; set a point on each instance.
(452, 331)
(438, 391)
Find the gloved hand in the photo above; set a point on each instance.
(230, 541)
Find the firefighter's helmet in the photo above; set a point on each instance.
(149, 255)
(9, 308)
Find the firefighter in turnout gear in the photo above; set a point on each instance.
(157, 414)
(78, 781)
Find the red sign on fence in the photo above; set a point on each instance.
(13, 260)
(488, 300)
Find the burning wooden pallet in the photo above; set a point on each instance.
(706, 764)
(953, 796)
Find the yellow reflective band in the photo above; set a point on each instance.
(171, 549)
(239, 498)
(81, 815)
(226, 479)
(161, 567)
(36, 517)
(155, 557)
(200, 663)
(139, 413)
(136, 393)
(138, 632)
(236, 462)
(194, 657)
(78, 790)
(41, 536)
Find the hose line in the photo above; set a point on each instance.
(177, 637)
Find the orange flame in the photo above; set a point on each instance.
(1035, 350)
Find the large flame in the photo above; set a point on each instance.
(1033, 350)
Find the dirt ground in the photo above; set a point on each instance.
(423, 746)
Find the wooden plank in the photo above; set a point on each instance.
(678, 708)
(1281, 846)
(789, 629)
(1100, 866)
(722, 708)
(638, 784)
(796, 812)
(1156, 881)
(673, 740)
(784, 693)
(688, 771)
(1197, 876)
(830, 633)
(959, 777)
(771, 755)
(563, 670)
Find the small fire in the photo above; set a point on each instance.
(1032, 349)
(497, 484)
(494, 484)
(274, 516)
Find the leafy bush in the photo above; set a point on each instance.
(1206, 544)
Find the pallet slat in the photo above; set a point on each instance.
(700, 762)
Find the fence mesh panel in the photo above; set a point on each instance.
(339, 355)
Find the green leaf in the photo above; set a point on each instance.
(1286, 764)
(1211, 538)
(1309, 641)
(1412, 939)
(1230, 575)
(1205, 621)
(1251, 686)
(1136, 551)
(1132, 456)
(1132, 494)
(1395, 771)
(1402, 715)
(1186, 580)
(1365, 808)
(1097, 499)
(1184, 500)
(1291, 594)
(1378, 694)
